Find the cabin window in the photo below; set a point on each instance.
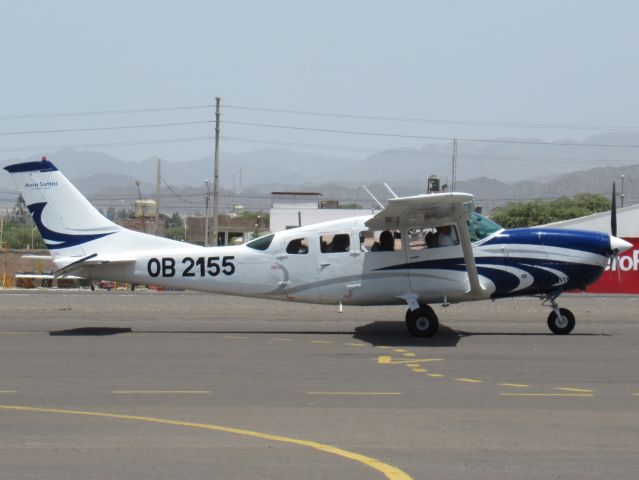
(335, 242)
(298, 246)
(433, 237)
(380, 241)
(261, 243)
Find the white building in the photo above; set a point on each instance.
(295, 209)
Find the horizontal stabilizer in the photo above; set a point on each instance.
(90, 260)
(37, 257)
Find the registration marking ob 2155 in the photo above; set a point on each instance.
(191, 267)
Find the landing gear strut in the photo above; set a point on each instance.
(422, 322)
(561, 321)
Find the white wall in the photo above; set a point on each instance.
(288, 217)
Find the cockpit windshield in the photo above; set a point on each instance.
(480, 227)
(261, 243)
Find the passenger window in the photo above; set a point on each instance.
(335, 243)
(380, 241)
(442, 236)
(299, 246)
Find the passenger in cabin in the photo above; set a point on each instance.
(340, 243)
(386, 241)
(446, 236)
(294, 246)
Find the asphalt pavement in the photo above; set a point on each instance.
(185, 385)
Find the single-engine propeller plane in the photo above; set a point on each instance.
(417, 251)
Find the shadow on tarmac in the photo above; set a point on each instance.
(394, 334)
(90, 331)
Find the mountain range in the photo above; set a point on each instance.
(496, 172)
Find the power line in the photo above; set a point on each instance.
(434, 121)
(427, 137)
(387, 150)
(104, 112)
(116, 127)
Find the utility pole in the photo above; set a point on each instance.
(137, 184)
(207, 197)
(157, 199)
(453, 179)
(623, 196)
(216, 172)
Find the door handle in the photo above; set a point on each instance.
(324, 264)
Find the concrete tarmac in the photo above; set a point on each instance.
(185, 385)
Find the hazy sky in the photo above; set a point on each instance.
(542, 62)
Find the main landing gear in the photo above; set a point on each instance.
(561, 320)
(422, 322)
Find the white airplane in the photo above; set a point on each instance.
(418, 250)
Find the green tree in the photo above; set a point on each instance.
(539, 212)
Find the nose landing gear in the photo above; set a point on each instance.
(561, 321)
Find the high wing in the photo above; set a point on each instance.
(430, 211)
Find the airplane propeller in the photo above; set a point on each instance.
(614, 253)
(613, 211)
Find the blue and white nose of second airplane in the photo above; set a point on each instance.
(619, 245)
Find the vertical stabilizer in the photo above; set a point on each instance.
(66, 220)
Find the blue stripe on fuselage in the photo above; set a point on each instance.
(582, 240)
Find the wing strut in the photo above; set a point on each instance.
(476, 290)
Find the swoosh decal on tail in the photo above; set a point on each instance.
(56, 240)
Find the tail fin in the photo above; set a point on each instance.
(70, 226)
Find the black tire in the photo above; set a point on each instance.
(422, 322)
(561, 326)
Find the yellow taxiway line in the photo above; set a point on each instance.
(160, 392)
(386, 360)
(354, 393)
(546, 394)
(389, 471)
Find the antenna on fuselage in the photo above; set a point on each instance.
(373, 197)
(390, 190)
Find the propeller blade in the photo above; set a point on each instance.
(613, 212)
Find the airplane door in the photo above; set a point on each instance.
(298, 266)
(339, 265)
(435, 262)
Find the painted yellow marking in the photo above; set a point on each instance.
(419, 370)
(386, 360)
(409, 354)
(514, 385)
(355, 344)
(469, 380)
(636, 394)
(412, 365)
(17, 333)
(384, 347)
(283, 339)
(546, 394)
(160, 392)
(320, 341)
(354, 393)
(235, 337)
(391, 472)
(401, 350)
(435, 375)
(578, 390)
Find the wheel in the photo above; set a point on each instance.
(422, 322)
(563, 325)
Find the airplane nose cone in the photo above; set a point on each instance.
(619, 244)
